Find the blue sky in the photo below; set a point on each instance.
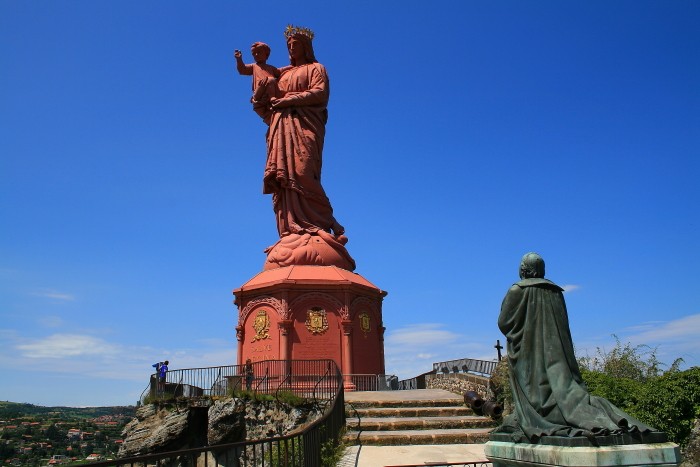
(461, 135)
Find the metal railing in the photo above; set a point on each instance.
(303, 448)
(466, 365)
(407, 384)
(362, 382)
(305, 378)
(418, 382)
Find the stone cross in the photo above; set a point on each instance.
(498, 348)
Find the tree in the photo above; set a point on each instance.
(53, 433)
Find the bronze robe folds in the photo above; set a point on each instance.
(294, 153)
(549, 394)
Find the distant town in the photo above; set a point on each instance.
(32, 435)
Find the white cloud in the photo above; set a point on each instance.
(570, 287)
(412, 350)
(92, 368)
(673, 339)
(55, 295)
(421, 335)
(687, 327)
(213, 354)
(65, 345)
(677, 338)
(96, 357)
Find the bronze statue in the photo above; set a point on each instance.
(294, 107)
(550, 397)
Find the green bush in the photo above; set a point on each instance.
(289, 398)
(671, 403)
(499, 386)
(623, 392)
(332, 451)
(637, 363)
(288, 455)
(285, 397)
(632, 378)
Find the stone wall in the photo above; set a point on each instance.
(458, 383)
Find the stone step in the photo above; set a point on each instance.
(408, 412)
(452, 402)
(417, 417)
(418, 423)
(408, 437)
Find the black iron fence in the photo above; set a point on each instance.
(466, 365)
(412, 383)
(296, 376)
(319, 379)
(315, 379)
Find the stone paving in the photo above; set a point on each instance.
(380, 456)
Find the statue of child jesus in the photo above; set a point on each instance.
(264, 78)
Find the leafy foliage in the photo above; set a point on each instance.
(499, 386)
(285, 397)
(623, 392)
(632, 378)
(638, 363)
(332, 451)
(671, 403)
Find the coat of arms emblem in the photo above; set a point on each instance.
(316, 321)
(365, 322)
(261, 325)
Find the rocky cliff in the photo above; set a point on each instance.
(164, 427)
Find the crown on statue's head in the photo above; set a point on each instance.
(293, 30)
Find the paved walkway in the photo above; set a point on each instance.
(380, 456)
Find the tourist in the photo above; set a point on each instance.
(249, 375)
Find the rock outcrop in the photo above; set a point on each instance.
(168, 427)
(691, 453)
(226, 422)
(164, 429)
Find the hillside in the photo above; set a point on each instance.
(16, 409)
(32, 434)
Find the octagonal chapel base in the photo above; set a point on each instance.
(309, 313)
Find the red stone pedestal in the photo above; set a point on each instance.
(312, 312)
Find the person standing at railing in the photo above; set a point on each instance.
(155, 377)
(162, 372)
(249, 375)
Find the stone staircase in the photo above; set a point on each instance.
(422, 416)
